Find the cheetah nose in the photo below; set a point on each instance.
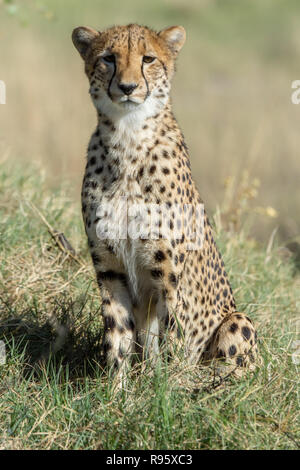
(127, 88)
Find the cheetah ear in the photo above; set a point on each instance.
(82, 38)
(174, 37)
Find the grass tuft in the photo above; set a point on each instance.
(53, 391)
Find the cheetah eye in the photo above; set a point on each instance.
(110, 59)
(148, 59)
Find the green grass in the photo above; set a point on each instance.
(53, 391)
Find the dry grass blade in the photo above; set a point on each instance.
(59, 238)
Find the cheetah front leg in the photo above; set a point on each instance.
(235, 342)
(155, 325)
(119, 325)
(147, 326)
(171, 319)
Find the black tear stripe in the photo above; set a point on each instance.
(129, 47)
(113, 75)
(142, 69)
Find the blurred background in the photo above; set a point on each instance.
(231, 96)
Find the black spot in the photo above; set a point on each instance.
(106, 302)
(109, 322)
(110, 249)
(172, 279)
(122, 278)
(107, 346)
(111, 276)
(141, 172)
(246, 332)
(107, 275)
(159, 256)
(240, 360)
(232, 350)
(233, 327)
(220, 354)
(96, 258)
(156, 273)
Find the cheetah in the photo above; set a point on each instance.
(172, 283)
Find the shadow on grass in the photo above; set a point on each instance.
(70, 337)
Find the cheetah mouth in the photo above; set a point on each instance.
(130, 101)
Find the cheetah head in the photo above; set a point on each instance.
(129, 67)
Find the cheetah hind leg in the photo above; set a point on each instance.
(234, 345)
